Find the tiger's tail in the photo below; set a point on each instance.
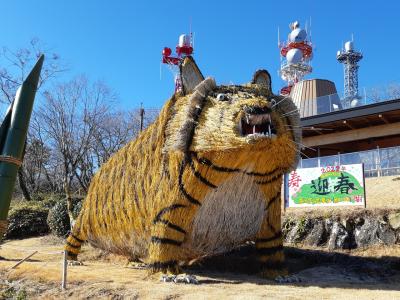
(74, 241)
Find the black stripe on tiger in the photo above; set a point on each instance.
(158, 240)
(189, 197)
(72, 256)
(269, 250)
(199, 176)
(73, 246)
(275, 198)
(162, 265)
(172, 226)
(270, 239)
(158, 218)
(272, 178)
(77, 239)
(209, 163)
(272, 228)
(262, 174)
(165, 210)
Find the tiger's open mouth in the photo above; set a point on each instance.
(257, 122)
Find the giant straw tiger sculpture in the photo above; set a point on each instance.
(204, 178)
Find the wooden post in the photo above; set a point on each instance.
(64, 271)
(22, 260)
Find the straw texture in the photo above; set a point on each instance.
(193, 185)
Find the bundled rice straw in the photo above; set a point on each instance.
(202, 179)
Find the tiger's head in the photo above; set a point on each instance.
(239, 126)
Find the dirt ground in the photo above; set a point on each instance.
(383, 192)
(372, 273)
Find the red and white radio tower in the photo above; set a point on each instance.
(296, 54)
(183, 49)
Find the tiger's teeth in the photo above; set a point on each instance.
(269, 129)
(247, 119)
(254, 129)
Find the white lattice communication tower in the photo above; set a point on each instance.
(350, 58)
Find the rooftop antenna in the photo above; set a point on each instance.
(306, 27)
(183, 49)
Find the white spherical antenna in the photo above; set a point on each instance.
(294, 56)
(297, 35)
(349, 46)
(354, 103)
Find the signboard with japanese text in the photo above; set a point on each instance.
(326, 186)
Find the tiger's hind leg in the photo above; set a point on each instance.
(269, 241)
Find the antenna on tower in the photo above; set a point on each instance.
(183, 49)
(296, 54)
(279, 39)
(349, 57)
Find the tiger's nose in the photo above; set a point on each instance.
(256, 110)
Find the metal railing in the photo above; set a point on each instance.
(377, 162)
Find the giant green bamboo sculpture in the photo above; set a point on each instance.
(13, 132)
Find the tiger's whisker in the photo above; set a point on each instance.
(279, 102)
(304, 146)
(298, 151)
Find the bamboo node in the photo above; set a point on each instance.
(11, 160)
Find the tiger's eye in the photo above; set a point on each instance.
(222, 97)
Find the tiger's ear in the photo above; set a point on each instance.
(263, 79)
(190, 74)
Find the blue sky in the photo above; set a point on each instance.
(120, 42)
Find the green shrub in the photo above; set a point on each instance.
(51, 200)
(27, 219)
(77, 206)
(37, 197)
(58, 219)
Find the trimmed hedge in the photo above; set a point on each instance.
(33, 218)
(27, 219)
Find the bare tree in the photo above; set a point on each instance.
(393, 90)
(113, 131)
(17, 64)
(374, 95)
(70, 114)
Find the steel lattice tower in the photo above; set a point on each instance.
(350, 58)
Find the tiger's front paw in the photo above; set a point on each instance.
(181, 278)
(73, 263)
(287, 279)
